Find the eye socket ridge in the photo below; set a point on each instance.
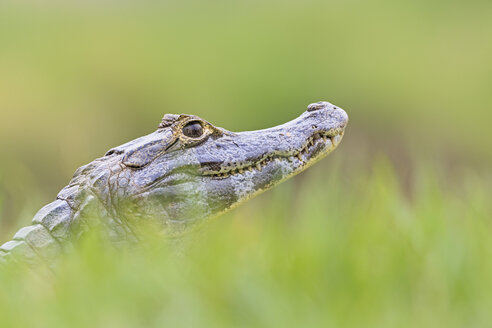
(193, 129)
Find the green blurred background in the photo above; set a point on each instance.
(79, 78)
(414, 76)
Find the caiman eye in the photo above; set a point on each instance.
(193, 130)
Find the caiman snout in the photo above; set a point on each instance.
(333, 110)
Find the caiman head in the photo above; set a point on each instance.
(189, 170)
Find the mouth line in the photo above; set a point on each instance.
(318, 144)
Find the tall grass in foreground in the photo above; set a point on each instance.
(328, 253)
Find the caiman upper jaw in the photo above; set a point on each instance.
(296, 144)
(312, 148)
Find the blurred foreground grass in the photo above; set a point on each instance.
(321, 252)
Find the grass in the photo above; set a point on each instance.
(321, 251)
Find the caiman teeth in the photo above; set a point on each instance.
(329, 142)
(335, 140)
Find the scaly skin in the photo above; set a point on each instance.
(184, 173)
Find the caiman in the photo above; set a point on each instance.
(184, 173)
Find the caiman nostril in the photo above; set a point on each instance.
(317, 106)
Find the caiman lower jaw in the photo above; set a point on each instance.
(316, 147)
